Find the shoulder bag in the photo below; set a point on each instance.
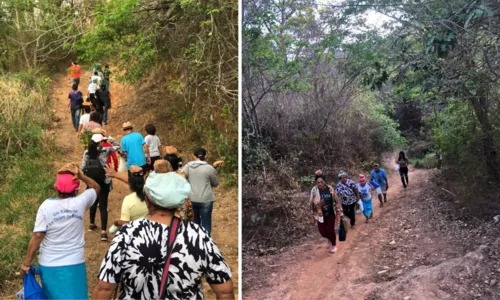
(172, 235)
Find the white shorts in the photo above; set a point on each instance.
(381, 190)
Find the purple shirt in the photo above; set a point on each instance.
(73, 99)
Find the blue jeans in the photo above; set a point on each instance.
(105, 115)
(75, 81)
(75, 117)
(203, 215)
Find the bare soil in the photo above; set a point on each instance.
(420, 245)
(225, 213)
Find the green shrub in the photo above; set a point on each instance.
(430, 161)
(306, 181)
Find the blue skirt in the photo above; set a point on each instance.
(65, 282)
(367, 207)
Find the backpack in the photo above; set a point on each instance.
(95, 170)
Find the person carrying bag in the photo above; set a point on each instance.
(161, 239)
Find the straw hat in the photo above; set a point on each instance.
(127, 125)
(170, 150)
(162, 166)
(135, 169)
(99, 131)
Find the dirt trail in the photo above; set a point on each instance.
(397, 256)
(225, 210)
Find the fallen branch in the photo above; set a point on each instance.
(449, 192)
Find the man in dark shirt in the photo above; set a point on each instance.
(75, 98)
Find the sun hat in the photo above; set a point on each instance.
(376, 165)
(127, 125)
(162, 166)
(66, 184)
(99, 131)
(170, 150)
(135, 170)
(167, 190)
(96, 138)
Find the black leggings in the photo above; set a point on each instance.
(350, 212)
(102, 200)
(403, 172)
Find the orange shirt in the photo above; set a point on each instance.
(75, 71)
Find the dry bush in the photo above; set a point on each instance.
(23, 112)
(26, 163)
(332, 125)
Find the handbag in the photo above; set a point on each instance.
(32, 290)
(342, 232)
(172, 235)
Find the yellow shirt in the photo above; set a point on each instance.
(133, 208)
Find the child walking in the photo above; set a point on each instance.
(153, 142)
(366, 197)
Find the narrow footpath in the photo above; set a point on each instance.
(399, 255)
(225, 214)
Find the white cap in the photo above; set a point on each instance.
(97, 137)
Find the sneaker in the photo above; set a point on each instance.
(92, 227)
(104, 237)
(333, 249)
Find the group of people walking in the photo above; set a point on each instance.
(156, 252)
(330, 203)
(98, 98)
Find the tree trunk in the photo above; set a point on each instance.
(480, 105)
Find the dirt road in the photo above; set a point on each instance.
(225, 215)
(400, 255)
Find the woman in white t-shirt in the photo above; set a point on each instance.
(84, 119)
(153, 141)
(58, 232)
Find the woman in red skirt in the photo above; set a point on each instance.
(327, 210)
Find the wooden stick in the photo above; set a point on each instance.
(449, 192)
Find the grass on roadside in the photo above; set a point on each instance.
(26, 178)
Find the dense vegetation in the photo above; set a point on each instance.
(191, 45)
(321, 88)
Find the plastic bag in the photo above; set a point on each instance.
(342, 232)
(319, 219)
(122, 165)
(396, 167)
(32, 290)
(359, 207)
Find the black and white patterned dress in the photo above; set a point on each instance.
(137, 254)
(347, 192)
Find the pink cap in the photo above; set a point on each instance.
(66, 184)
(362, 178)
